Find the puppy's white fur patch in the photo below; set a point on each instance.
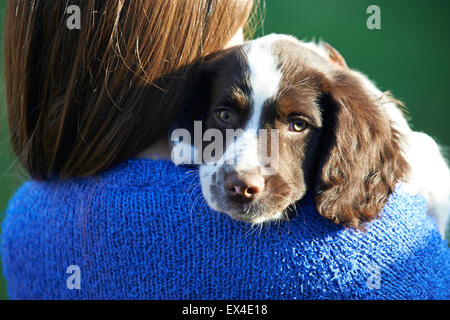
(264, 78)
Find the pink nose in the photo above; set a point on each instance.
(245, 185)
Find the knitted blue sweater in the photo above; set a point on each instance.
(142, 231)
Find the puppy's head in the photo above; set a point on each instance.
(291, 122)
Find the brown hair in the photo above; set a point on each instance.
(82, 100)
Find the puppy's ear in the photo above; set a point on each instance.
(334, 55)
(191, 116)
(363, 159)
(196, 102)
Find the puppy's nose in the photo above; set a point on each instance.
(245, 185)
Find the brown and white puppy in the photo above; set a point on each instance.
(336, 139)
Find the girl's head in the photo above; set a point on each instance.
(81, 100)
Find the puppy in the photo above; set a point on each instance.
(338, 138)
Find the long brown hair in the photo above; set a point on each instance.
(81, 100)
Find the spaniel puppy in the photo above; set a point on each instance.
(338, 138)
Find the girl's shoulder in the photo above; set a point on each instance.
(133, 177)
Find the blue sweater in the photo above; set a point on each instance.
(142, 231)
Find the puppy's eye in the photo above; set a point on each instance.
(298, 125)
(224, 115)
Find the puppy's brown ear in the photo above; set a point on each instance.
(363, 160)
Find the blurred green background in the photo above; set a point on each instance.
(410, 56)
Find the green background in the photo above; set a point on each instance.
(410, 56)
